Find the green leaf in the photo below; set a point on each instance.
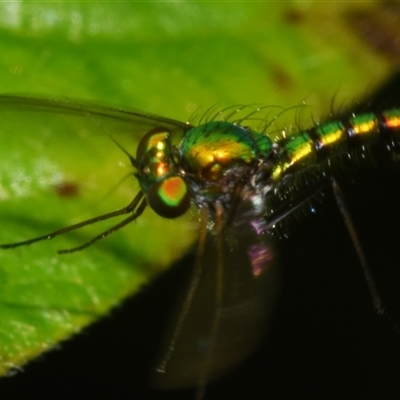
(166, 58)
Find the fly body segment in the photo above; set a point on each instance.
(244, 184)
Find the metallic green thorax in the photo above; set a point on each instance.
(211, 149)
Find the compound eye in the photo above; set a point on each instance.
(169, 197)
(152, 144)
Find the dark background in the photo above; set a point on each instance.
(325, 341)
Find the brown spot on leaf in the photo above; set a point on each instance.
(379, 28)
(67, 189)
(293, 17)
(281, 78)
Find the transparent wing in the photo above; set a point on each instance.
(218, 334)
(108, 119)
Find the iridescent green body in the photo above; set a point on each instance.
(206, 158)
(217, 157)
(212, 149)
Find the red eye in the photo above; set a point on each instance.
(169, 197)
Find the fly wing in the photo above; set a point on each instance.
(137, 119)
(122, 124)
(249, 286)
